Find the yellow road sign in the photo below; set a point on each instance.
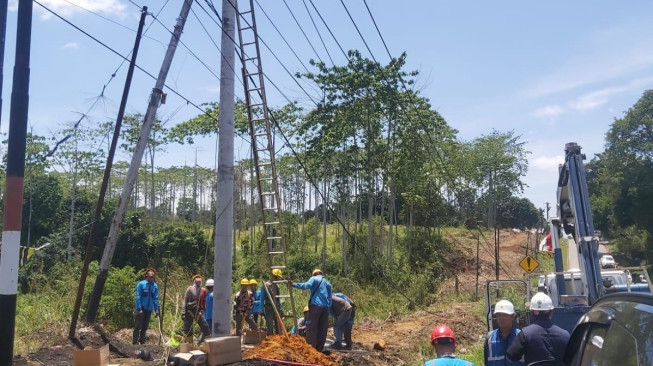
(529, 264)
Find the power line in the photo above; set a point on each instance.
(113, 75)
(377, 28)
(329, 29)
(443, 165)
(410, 95)
(318, 32)
(358, 30)
(282, 37)
(120, 55)
(272, 52)
(113, 21)
(342, 224)
(302, 29)
(275, 56)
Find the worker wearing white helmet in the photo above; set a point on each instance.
(501, 338)
(208, 313)
(542, 340)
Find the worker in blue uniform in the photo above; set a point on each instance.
(319, 303)
(498, 340)
(147, 301)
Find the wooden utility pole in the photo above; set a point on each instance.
(132, 173)
(13, 199)
(224, 220)
(3, 32)
(88, 255)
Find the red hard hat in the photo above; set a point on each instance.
(442, 331)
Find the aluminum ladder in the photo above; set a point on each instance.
(260, 130)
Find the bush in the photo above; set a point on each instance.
(117, 302)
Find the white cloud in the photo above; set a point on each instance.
(599, 97)
(70, 45)
(550, 111)
(601, 57)
(214, 89)
(548, 163)
(67, 8)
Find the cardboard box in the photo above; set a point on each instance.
(192, 358)
(187, 347)
(92, 357)
(253, 336)
(223, 350)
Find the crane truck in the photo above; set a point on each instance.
(574, 291)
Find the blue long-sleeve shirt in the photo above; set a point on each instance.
(320, 289)
(208, 312)
(147, 296)
(259, 302)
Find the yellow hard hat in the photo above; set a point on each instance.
(306, 308)
(316, 271)
(244, 281)
(277, 272)
(253, 282)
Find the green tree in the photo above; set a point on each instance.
(622, 179)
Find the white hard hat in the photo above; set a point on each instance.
(504, 307)
(541, 301)
(209, 282)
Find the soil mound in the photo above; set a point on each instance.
(292, 348)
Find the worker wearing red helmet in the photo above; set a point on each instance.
(444, 342)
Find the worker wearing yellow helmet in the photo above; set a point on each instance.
(301, 324)
(272, 288)
(244, 304)
(257, 309)
(319, 303)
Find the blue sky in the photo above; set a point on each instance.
(554, 71)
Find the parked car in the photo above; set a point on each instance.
(607, 261)
(617, 330)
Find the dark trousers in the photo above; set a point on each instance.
(190, 319)
(271, 322)
(342, 321)
(246, 317)
(348, 326)
(316, 326)
(141, 322)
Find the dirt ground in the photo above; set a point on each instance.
(404, 337)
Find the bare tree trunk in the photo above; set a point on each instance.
(324, 220)
(317, 195)
(391, 231)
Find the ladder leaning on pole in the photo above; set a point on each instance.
(262, 145)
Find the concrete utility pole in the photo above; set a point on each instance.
(132, 173)
(88, 253)
(13, 205)
(224, 220)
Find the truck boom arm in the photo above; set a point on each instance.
(576, 218)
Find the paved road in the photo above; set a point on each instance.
(572, 255)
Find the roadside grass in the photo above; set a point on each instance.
(42, 319)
